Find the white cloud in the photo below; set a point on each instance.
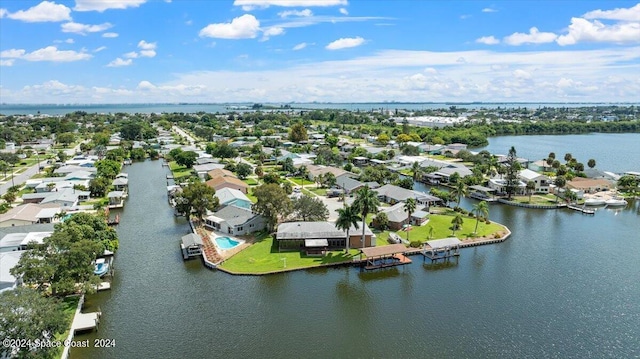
(345, 42)
(605, 75)
(271, 31)
(110, 35)
(7, 62)
(69, 41)
(300, 13)
(521, 74)
(131, 55)
(243, 27)
(51, 53)
(582, 30)
(147, 49)
(622, 14)
(344, 11)
(488, 9)
(533, 37)
(101, 48)
(3, 13)
(249, 5)
(120, 62)
(83, 29)
(12, 53)
(102, 5)
(488, 40)
(46, 11)
(300, 46)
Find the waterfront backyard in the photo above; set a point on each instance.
(263, 257)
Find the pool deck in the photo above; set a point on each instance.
(211, 253)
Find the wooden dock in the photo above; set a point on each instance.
(384, 256)
(583, 210)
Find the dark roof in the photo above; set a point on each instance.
(347, 183)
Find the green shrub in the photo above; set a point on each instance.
(415, 244)
(497, 235)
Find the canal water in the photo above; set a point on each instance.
(565, 285)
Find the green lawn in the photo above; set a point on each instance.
(298, 181)
(179, 171)
(536, 199)
(263, 257)
(69, 307)
(319, 191)
(441, 224)
(251, 181)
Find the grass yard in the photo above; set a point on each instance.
(263, 257)
(536, 199)
(179, 171)
(319, 191)
(441, 224)
(251, 181)
(69, 307)
(298, 181)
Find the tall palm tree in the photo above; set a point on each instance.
(531, 186)
(366, 202)
(347, 216)
(409, 207)
(456, 223)
(303, 171)
(481, 210)
(416, 170)
(459, 191)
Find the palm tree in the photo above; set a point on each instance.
(481, 210)
(416, 170)
(459, 191)
(410, 207)
(303, 171)
(591, 163)
(431, 230)
(560, 182)
(531, 186)
(456, 223)
(366, 202)
(347, 216)
(4, 167)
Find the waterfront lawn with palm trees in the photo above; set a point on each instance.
(263, 257)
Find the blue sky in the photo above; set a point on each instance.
(128, 51)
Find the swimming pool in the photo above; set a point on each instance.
(226, 242)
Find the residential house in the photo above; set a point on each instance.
(316, 237)
(203, 169)
(317, 170)
(500, 185)
(233, 197)
(221, 182)
(393, 194)
(346, 183)
(589, 185)
(542, 182)
(235, 220)
(398, 217)
(28, 214)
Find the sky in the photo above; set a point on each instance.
(169, 51)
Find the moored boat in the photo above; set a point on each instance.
(616, 201)
(101, 267)
(597, 201)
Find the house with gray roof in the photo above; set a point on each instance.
(29, 213)
(232, 197)
(235, 220)
(398, 217)
(346, 183)
(320, 236)
(393, 194)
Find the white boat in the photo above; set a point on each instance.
(101, 268)
(616, 202)
(597, 201)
